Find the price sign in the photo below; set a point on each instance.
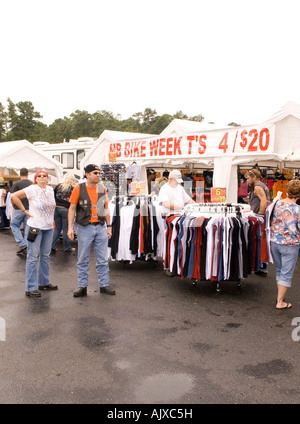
(218, 195)
(112, 157)
(138, 187)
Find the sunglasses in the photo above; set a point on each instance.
(42, 175)
(96, 173)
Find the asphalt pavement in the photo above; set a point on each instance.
(159, 340)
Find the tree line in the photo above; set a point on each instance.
(20, 121)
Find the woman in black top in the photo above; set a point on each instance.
(62, 193)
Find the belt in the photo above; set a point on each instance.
(95, 223)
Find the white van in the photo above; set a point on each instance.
(69, 154)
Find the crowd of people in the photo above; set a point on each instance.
(46, 213)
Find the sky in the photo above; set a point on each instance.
(230, 61)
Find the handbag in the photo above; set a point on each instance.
(32, 233)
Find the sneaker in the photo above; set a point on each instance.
(81, 291)
(107, 290)
(49, 287)
(33, 293)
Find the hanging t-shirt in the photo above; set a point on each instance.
(41, 206)
(133, 172)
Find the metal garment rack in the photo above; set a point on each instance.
(216, 208)
(135, 198)
(127, 197)
(212, 209)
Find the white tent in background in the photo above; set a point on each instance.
(183, 126)
(194, 145)
(99, 153)
(18, 154)
(284, 151)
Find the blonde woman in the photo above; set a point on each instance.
(62, 193)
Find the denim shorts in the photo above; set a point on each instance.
(285, 258)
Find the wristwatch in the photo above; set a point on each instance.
(108, 225)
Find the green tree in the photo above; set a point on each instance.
(197, 118)
(130, 125)
(104, 120)
(81, 124)
(39, 133)
(180, 115)
(22, 119)
(59, 130)
(145, 119)
(159, 124)
(3, 122)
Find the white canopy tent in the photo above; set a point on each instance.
(285, 152)
(18, 154)
(99, 153)
(183, 126)
(275, 142)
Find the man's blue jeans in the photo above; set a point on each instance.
(18, 217)
(61, 223)
(88, 235)
(37, 262)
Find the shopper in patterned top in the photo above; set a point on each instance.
(41, 218)
(285, 240)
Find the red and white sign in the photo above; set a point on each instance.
(235, 141)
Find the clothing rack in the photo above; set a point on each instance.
(131, 197)
(216, 208)
(235, 216)
(137, 228)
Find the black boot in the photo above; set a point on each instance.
(81, 291)
(107, 290)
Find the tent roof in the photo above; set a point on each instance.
(185, 126)
(290, 108)
(121, 135)
(286, 121)
(22, 154)
(96, 153)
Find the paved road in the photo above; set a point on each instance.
(159, 340)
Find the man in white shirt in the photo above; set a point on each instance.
(173, 198)
(172, 195)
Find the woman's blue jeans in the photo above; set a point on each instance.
(88, 235)
(285, 258)
(18, 217)
(61, 224)
(37, 262)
